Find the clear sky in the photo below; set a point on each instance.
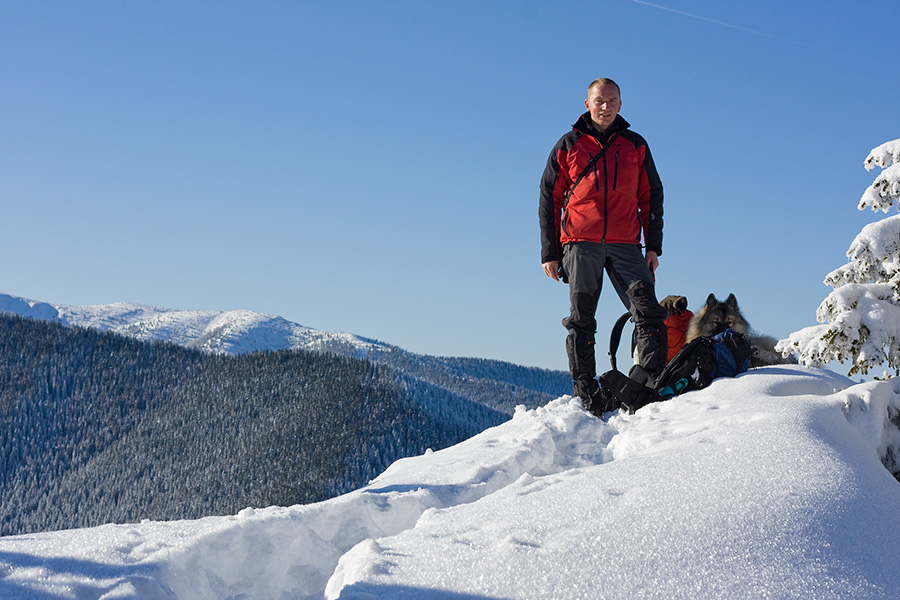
(373, 167)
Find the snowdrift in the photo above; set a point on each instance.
(772, 484)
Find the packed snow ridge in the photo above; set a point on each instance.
(231, 332)
(769, 485)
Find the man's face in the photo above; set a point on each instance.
(603, 103)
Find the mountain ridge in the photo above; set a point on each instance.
(97, 427)
(497, 384)
(231, 332)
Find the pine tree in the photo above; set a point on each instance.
(860, 318)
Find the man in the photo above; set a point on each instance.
(600, 194)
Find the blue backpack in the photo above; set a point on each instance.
(695, 366)
(703, 359)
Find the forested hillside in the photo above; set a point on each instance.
(497, 384)
(96, 427)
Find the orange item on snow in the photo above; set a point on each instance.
(676, 329)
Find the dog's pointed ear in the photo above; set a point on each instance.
(731, 302)
(711, 300)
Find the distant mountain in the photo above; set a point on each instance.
(500, 385)
(122, 412)
(96, 427)
(229, 332)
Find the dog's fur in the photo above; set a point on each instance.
(716, 316)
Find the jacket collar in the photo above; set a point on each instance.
(585, 124)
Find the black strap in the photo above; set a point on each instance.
(588, 168)
(615, 337)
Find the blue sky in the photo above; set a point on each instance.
(373, 167)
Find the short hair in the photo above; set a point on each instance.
(603, 81)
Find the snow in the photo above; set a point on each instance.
(768, 485)
(860, 319)
(885, 190)
(230, 332)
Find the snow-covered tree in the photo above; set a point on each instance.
(860, 318)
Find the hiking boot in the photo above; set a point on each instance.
(605, 401)
(595, 398)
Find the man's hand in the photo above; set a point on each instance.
(551, 268)
(652, 261)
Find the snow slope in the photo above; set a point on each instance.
(769, 485)
(232, 332)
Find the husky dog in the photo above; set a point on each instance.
(716, 316)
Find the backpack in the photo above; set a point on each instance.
(695, 366)
(676, 332)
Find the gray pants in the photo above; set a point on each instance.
(584, 263)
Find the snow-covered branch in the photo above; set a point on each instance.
(885, 190)
(860, 318)
(860, 324)
(874, 257)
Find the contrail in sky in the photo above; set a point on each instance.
(722, 23)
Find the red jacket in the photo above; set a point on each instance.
(617, 201)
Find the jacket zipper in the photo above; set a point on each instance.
(564, 220)
(609, 142)
(605, 198)
(616, 171)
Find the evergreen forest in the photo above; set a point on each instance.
(96, 427)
